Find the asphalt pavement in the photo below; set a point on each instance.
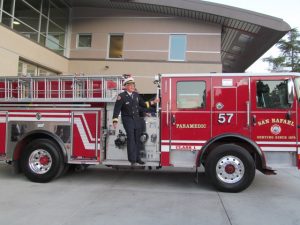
(130, 197)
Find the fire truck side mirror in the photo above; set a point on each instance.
(290, 90)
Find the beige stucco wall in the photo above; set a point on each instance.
(9, 62)
(13, 46)
(145, 37)
(143, 71)
(146, 44)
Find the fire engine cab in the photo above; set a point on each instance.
(231, 124)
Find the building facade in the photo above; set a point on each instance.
(144, 38)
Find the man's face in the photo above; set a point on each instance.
(130, 87)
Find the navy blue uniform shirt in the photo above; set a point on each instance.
(128, 105)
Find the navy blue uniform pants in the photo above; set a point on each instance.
(132, 127)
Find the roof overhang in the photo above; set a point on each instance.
(246, 35)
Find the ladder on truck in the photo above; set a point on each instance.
(60, 89)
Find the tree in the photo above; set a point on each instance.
(289, 53)
(275, 63)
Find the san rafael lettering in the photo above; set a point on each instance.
(276, 120)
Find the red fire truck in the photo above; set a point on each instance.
(231, 124)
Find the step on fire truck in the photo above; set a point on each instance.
(231, 124)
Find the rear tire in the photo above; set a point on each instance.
(42, 161)
(230, 168)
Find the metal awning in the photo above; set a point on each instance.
(246, 35)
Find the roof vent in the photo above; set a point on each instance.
(243, 38)
(236, 49)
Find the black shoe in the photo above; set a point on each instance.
(133, 163)
(140, 162)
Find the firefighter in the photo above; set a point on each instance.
(129, 103)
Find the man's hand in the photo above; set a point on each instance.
(154, 101)
(115, 124)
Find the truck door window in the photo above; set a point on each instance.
(191, 94)
(272, 94)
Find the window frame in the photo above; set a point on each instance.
(204, 102)
(77, 40)
(1, 6)
(108, 46)
(170, 45)
(25, 64)
(257, 97)
(297, 88)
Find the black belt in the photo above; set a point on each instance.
(133, 117)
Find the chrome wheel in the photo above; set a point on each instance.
(230, 169)
(40, 161)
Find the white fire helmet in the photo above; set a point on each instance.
(128, 80)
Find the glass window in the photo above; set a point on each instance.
(34, 3)
(8, 6)
(116, 46)
(20, 68)
(84, 40)
(0, 11)
(42, 40)
(31, 19)
(59, 14)
(29, 69)
(191, 94)
(25, 30)
(45, 72)
(272, 94)
(6, 19)
(177, 47)
(57, 32)
(43, 31)
(52, 42)
(55, 38)
(27, 14)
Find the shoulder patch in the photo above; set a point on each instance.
(119, 98)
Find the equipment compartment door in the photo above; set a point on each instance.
(274, 118)
(86, 135)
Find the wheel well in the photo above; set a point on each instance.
(38, 135)
(237, 141)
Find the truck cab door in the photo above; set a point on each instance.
(187, 119)
(273, 119)
(230, 106)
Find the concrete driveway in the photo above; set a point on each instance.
(125, 197)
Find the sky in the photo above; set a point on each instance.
(288, 10)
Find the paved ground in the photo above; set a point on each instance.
(105, 196)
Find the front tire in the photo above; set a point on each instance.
(230, 167)
(42, 161)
